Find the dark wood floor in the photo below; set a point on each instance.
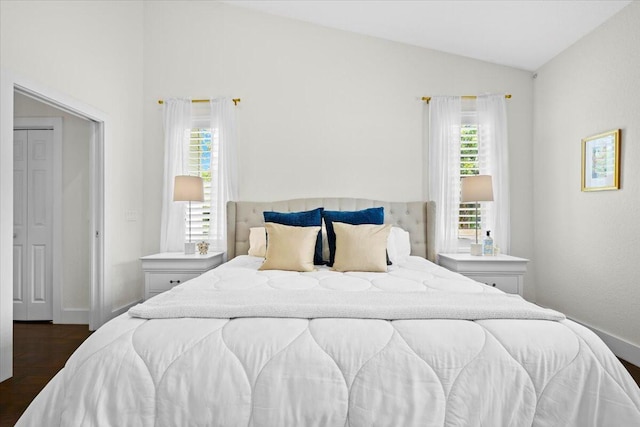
(41, 350)
(633, 370)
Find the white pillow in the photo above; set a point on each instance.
(398, 244)
(258, 241)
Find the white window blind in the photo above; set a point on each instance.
(202, 162)
(469, 165)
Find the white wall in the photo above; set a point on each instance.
(92, 51)
(586, 244)
(76, 261)
(323, 112)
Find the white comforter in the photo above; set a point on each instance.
(272, 371)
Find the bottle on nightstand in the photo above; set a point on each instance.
(487, 245)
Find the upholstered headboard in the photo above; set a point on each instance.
(418, 218)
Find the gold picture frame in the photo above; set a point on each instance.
(601, 161)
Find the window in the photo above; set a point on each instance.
(469, 165)
(202, 162)
(200, 141)
(476, 129)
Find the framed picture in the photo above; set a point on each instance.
(601, 161)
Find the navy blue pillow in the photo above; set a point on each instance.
(300, 219)
(365, 216)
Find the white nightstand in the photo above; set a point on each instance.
(165, 270)
(504, 272)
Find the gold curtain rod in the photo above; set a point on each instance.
(428, 98)
(235, 101)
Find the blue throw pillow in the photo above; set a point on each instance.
(300, 219)
(365, 216)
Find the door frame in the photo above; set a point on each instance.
(54, 124)
(100, 294)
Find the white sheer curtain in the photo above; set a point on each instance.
(224, 169)
(177, 128)
(494, 161)
(445, 116)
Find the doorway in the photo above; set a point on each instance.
(70, 185)
(100, 294)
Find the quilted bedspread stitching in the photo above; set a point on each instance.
(135, 350)
(155, 390)
(444, 393)
(267, 362)
(102, 348)
(605, 370)
(455, 381)
(533, 385)
(244, 368)
(544, 389)
(193, 345)
(362, 367)
(334, 362)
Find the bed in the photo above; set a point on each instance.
(417, 345)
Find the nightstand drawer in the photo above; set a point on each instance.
(160, 282)
(507, 284)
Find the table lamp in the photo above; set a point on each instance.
(188, 189)
(476, 188)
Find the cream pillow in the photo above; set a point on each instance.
(361, 247)
(290, 248)
(257, 241)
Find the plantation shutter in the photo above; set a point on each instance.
(470, 160)
(202, 161)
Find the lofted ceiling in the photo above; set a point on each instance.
(523, 34)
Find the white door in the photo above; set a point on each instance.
(33, 225)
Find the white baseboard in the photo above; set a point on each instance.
(78, 316)
(74, 316)
(123, 309)
(621, 348)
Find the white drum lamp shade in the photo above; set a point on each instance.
(188, 189)
(476, 188)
